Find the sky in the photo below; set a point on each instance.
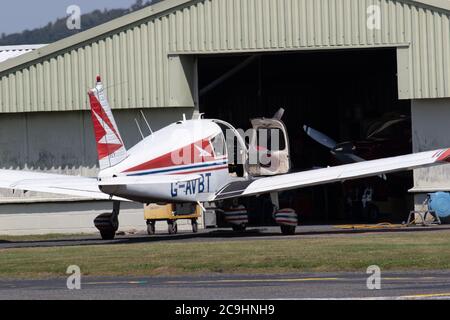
(18, 15)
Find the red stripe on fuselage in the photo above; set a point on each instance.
(167, 160)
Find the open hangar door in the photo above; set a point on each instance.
(349, 95)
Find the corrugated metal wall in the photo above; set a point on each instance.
(132, 63)
(242, 25)
(135, 61)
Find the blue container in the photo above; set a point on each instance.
(440, 203)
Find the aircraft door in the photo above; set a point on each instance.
(269, 148)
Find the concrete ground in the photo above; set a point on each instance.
(405, 285)
(261, 233)
(394, 285)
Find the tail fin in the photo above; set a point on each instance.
(110, 147)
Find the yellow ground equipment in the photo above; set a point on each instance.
(384, 225)
(171, 213)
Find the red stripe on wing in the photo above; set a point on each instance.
(445, 156)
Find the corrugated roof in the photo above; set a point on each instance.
(134, 17)
(439, 4)
(86, 36)
(8, 52)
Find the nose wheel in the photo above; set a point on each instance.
(108, 223)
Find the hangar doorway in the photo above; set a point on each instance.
(345, 94)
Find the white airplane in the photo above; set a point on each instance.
(189, 162)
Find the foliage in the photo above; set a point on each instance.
(57, 30)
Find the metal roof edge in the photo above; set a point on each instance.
(21, 47)
(438, 4)
(93, 33)
(134, 17)
(429, 189)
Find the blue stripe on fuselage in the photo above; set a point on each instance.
(178, 169)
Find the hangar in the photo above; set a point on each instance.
(321, 60)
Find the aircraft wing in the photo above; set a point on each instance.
(53, 183)
(333, 174)
(78, 186)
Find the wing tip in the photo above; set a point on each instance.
(445, 156)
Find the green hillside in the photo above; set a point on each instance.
(57, 30)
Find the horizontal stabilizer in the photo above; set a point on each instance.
(74, 186)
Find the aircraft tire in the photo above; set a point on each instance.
(239, 228)
(108, 234)
(107, 223)
(288, 230)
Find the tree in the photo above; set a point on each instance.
(138, 5)
(58, 30)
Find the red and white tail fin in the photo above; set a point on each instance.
(110, 147)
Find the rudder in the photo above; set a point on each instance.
(110, 147)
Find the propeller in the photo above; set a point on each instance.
(320, 137)
(344, 151)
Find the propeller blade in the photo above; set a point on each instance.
(320, 137)
(346, 157)
(279, 114)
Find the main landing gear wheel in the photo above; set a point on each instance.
(236, 215)
(108, 223)
(287, 219)
(151, 228)
(239, 228)
(172, 226)
(287, 230)
(108, 234)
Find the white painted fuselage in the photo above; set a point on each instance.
(192, 149)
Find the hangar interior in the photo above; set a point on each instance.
(342, 93)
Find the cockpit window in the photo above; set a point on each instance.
(218, 144)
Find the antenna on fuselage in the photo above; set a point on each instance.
(139, 128)
(145, 119)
